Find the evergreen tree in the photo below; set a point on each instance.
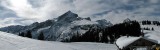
(29, 35)
(41, 36)
(21, 34)
(152, 29)
(108, 34)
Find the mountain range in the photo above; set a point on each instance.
(58, 29)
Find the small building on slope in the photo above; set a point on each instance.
(137, 43)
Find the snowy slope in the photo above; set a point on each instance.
(92, 46)
(155, 34)
(13, 42)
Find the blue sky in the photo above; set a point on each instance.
(24, 12)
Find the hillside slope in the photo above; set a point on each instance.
(13, 42)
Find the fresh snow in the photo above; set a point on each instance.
(41, 29)
(149, 34)
(154, 35)
(13, 42)
(93, 46)
(84, 22)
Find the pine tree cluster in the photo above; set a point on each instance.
(147, 22)
(109, 34)
(27, 34)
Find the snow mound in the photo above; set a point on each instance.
(124, 41)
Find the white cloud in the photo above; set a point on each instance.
(112, 10)
(47, 9)
(120, 15)
(7, 21)
(15, 21)
(87, 8)
(154, 1)
(22, 8)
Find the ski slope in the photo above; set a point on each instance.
(13, 42)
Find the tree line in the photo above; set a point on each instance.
(109, 34)
(29, 35)
(147, 22)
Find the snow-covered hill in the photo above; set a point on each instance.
(152, 34)
(13, 42)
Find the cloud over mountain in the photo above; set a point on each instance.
(25, 12)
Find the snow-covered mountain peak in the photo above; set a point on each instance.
(68, 16)
(69, 11)
(13, 42)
